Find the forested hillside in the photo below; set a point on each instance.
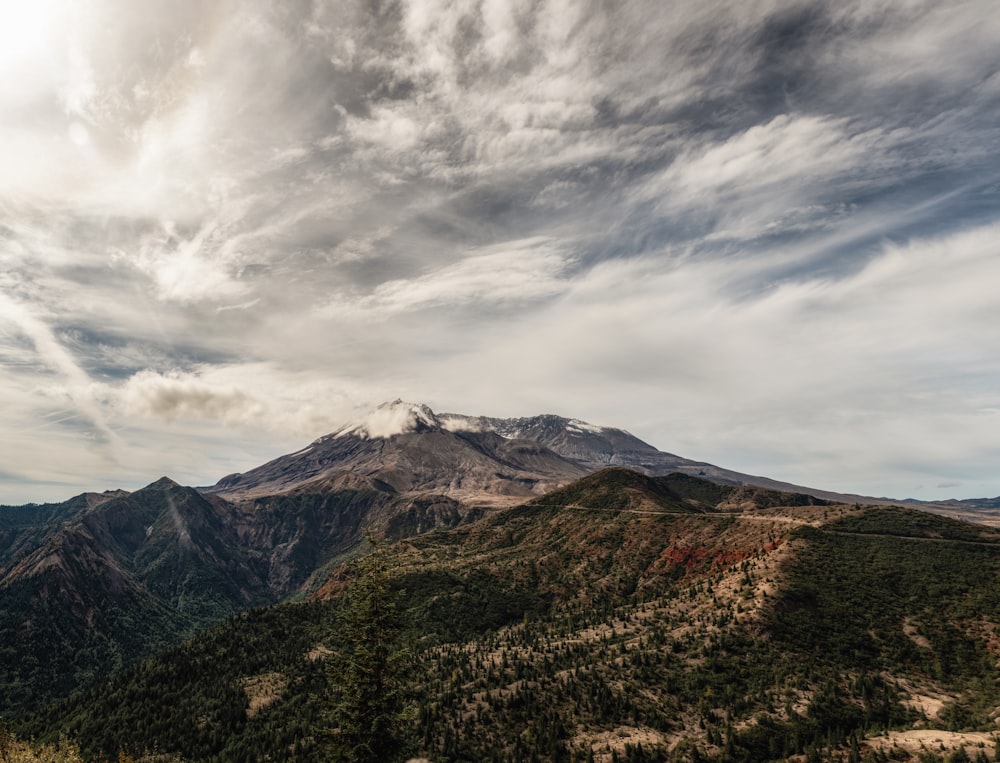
(102, 581)
(620, 620)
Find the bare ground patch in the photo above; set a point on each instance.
(913, 633)
(916, 741)
(262, 690)
(319, 652)
(605, 743)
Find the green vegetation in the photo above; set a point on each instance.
(51, 650)
(926, 608)
(366, 668)
(193, 700)
(908, 523)
(550, 632)
(617, 489)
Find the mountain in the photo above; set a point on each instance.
(475, 460)
(622, 617)
(101, 581)
(166, 539)
(407, 448)
(982, 510)
(23, 527)
(503, 518)
(595, 447)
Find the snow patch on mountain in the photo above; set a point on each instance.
(400, 417)
(509, 429)
(582, 426)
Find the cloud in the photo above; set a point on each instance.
(288, 404)
(769, 170)
(72, 382)
(176, 394)
(726, 227)
(184, 269)
(390, 419)
(856, 376)
(515, 273)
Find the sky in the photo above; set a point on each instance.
(763, 234)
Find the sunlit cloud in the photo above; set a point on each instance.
(172, 395)
(516, 273)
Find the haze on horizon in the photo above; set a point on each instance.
(761, 234)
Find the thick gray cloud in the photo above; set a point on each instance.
(760, 233)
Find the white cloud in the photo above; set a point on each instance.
(689, 219)
(772, 177)
(390, 419)
(186, 269)
(766, 155)
(517, 272)
(914, 43)
(72, 382)
(177, 395)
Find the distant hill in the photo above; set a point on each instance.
(617, 488)
(981, 510)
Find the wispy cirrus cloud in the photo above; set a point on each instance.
(516, 273)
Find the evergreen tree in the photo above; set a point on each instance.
(367, 705)
(855, 754)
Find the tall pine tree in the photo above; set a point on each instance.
(365, 672)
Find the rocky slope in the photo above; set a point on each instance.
(595, 447)
(409, 449)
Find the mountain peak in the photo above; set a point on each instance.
(164, 483)
(390, 419)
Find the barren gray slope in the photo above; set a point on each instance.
(477, 467)
(595, 447)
